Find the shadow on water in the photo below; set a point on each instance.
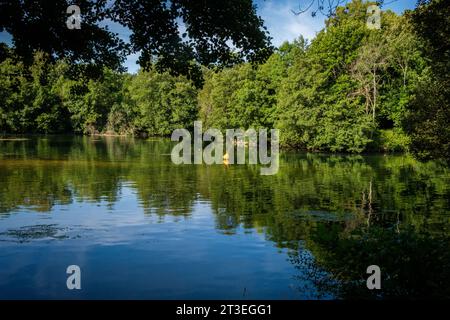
(335, 215)
(35, 232)
(414, 265)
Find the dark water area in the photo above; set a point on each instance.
(141, 227)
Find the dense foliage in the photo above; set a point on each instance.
(213, 30)
(428, 119)
(42, 98)
(346, 91)
(351, 89)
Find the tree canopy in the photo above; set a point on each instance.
(214, 32)
(428, 115)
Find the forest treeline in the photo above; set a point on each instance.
(351, 89)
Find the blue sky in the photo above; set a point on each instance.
(281, 22)
(284, 25)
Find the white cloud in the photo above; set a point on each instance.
(284, 25)
(131, 62)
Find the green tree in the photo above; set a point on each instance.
(91, 103)
(29, 101)
(162, 102)
(428, 117)
(316, 108)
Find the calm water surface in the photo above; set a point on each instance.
(140, 227)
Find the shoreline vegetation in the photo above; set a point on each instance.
(350, 90)
(9, 137)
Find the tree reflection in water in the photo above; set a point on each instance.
(336, 215)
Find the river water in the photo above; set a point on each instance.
(140, 227)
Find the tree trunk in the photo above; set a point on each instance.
(374, 94)
(405, 70)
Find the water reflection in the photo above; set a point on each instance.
(308, 232)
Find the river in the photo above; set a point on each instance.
(139, 226)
